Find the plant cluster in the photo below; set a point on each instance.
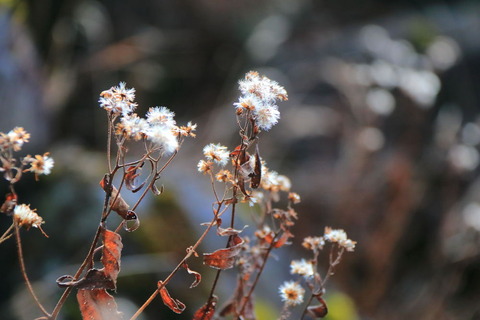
(237, 176)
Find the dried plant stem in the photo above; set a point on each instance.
(7, 234)
(24, 271)
(332, 264)
(191, 250)
(85, 262)
(245, 298)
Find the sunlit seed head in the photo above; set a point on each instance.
(41, 164)
(217, 153)
(291, 293)
(163, 138)
(204, 166)
(27, 217)
(161, 116)
(302, 267)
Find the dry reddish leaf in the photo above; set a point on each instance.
(111, 253)
(198, 276)
(9, 204)
(257, 171)
(105, 278)
(97, 304)
(116, 202)
(226, 231)
(130, 176)
(156, 191)
(94, 279)
(174, 304)
(207, 311)
(235, 302)
(224, 258)
(319, 311)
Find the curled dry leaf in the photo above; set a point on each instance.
(131, 174)
(157, 191)
(207, 311)
(198, 276)
(174, 304)
(111, 253)
(105, 278)
(224, 258)
(227, 231)
(9, 204)
(318, 311)
(93, 279)
(97, 304)
(256, 175)
(132, 223)
(116, 201)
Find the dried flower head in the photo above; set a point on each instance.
(204, 166)
(27, 217)
(118, 100)
(216, 152)
(266, 116)
(262, 87)
(259, 95)
(188, 130)
(339, 236)
(313, 243)
(41, 164)
(161, 116)
(163, 138)
(224, 176)
(14, 139)
(302, 267)
(132, 127)
(291, 293)
(294, 197)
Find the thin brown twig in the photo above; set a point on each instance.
(24, 270)
(190, 251)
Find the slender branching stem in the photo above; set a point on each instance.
(7, 234)
(190, 252)
(24, 270)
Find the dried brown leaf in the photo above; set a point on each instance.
(198, 276)
(207, 311)
(318, 311)
(131, 174)
(111, 253)
(97, 304)
(9, 204)
(224, 258)
(93, 279)
(256, 176)
(116, 202)
(174, 304)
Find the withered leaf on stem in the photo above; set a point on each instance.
(93, 279)
(256, 176)
(224, 258)
(9, 204)
(157, 191)
(174, 304)
(198, 276)
(111, 253)
(116, 201)
(105, 278)
(318, 311)
(235, 302)
(227, 231)
(207, 311)
(97, 304)
(131, 174)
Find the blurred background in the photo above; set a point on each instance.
(380, 137)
